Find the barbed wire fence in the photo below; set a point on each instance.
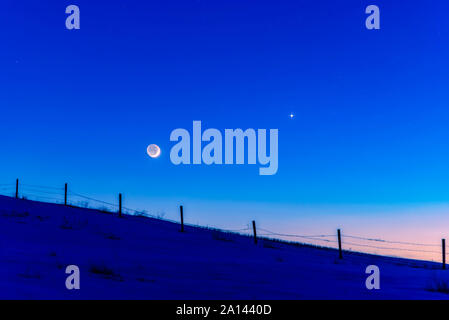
(66, 196)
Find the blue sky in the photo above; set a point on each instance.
(371, 106)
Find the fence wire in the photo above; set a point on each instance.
(320, 238)
(56, 195)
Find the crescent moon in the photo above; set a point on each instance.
(153, 150)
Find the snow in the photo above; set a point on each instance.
(147, 258)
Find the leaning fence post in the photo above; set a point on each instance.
(65, 194)
(254, 231)
(340, 255)
(181, 212)
(443, 244)
(120, 205)
(17, 188)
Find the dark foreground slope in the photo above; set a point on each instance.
(142, 258)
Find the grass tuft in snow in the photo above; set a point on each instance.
(111, 236)
(15, 214)
(141, 279)
(279, 259)
(101, 269)
(73, 223)
(29, 274)
(439, 282)
(269, 245)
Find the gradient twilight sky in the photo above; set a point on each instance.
(369, 137)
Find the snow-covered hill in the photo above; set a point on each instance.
(144, 258)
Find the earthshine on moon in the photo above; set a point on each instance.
(154, 151)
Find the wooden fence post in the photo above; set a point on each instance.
(340, 255)
(443, 243)
(181, 211)
(17, 188)
(120, 205)
(255, 232)
(65, 194)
